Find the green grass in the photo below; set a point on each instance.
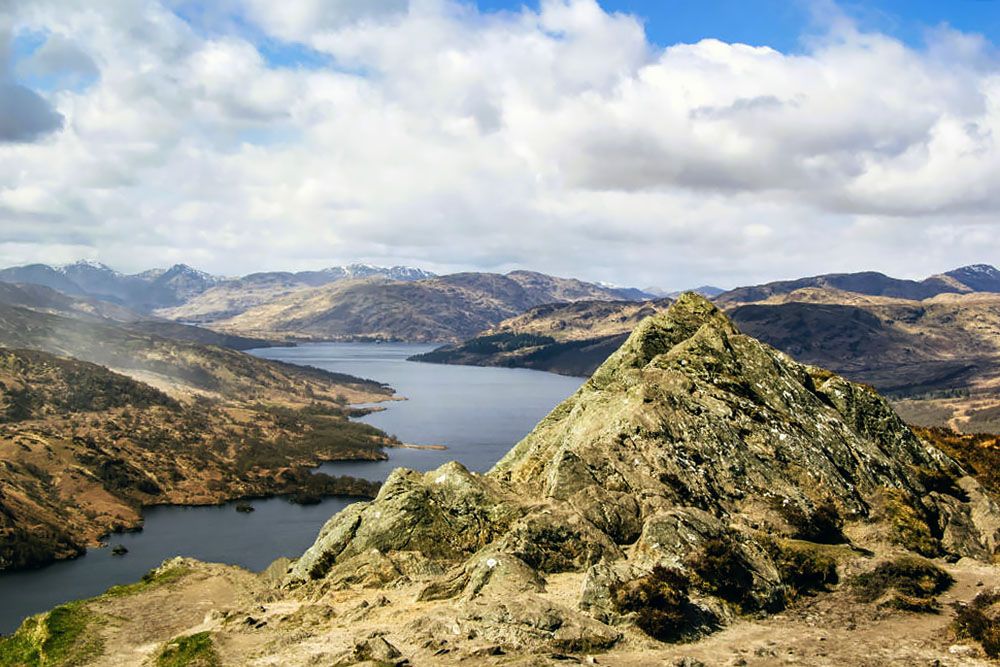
(62, 637)
(151, 579)
(196, 650)
(66, 635)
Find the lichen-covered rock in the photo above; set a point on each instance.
(445, 515)
(527, 621)
(487, 573)
(667, 478)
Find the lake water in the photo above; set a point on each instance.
(478, 413)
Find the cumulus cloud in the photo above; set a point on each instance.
(298, 19)
(24, 114)
(558, 139)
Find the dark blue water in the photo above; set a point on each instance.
(217, 534)
(478, 413)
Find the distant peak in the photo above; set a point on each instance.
(977, 277)
(186, 269)
(371, 271)
(978, 268)
(87, 264)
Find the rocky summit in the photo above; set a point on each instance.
(703, 499)
(695, 478)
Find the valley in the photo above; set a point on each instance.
(475, 412)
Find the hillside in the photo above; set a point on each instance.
(702, 499)
(47, 300)
(939, 358)
(80, 443)
(975, 278)
(178, 367)
(567, 338)
(447, 308)
(84, 449)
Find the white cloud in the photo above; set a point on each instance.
(559, 140)
(297, 19)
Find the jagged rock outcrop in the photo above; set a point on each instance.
(672, 478)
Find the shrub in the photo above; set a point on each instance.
(910, 525)
(913, 581)
(723, 570)
(660, 600)
(823, 525)
(977, 453)
(974, 621)
(803, 567)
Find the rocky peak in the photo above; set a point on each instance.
(692, 444)
(658, 334)
(691, 411)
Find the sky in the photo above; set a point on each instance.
(666, 143)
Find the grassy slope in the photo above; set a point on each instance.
(181, 367)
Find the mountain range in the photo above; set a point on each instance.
(930, 344)
(974, 278)
(444, 308)
(358, 301)
(164, 288)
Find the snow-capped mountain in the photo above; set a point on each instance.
(164, 288)
(978, 277)
(357, 271)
